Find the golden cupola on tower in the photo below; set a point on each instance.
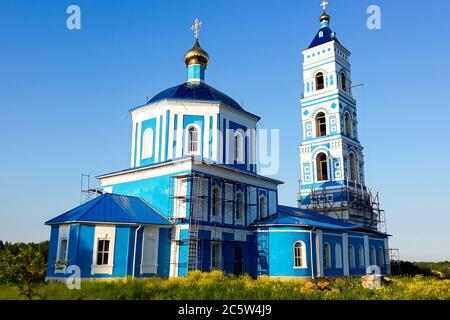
(196, 55)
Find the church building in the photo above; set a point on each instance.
(192, 198)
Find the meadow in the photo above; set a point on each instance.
(217, 286)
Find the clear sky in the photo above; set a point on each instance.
(65, 96)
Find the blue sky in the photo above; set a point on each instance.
(65, 96)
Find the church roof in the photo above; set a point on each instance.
(195, 91)
(289, 216)
(113, 208)
(327, 36)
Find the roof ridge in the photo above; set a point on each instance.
(154, 209)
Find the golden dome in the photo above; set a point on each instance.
(324, 17)
(196, 55)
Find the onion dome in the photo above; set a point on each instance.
(196, 55)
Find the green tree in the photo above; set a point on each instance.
(2, 246)
(24, 267)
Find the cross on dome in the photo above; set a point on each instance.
(196, 27)
(324, 5)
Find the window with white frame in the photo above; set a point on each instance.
(216, 202)
(103, 252)
(381, 256)
(239, 148)
(239, 206)
(327, 255)
(262, 207)
(299, 255)
(361, 256)
(147, 144)
(63, 244)
(103, 255)
(193, 140)
(338, 255)
(348, 125)
(62, 257)
(351, 256)
(216, 255)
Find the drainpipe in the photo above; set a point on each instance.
(311, 251)
(134, 253)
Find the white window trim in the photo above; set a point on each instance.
(104, 233)
(381, 256)
(240, 156)
(304, 260)
(352, 256)
(217, 218)
(241, 220)
(327, 254)
(150, 268)
(259, 207)
(199, 143)
(361, 258)
(373, 250)
(338, 256)
(63, 234)
(147, 146)
(219, 244)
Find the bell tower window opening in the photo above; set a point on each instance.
(348, 125)
(320, 81)
(353, 174)
(322, 167)
(321, 125)
(344, 81)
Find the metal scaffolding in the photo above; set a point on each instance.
(192, 194)
(355, 205)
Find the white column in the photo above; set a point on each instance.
(206, 134)
(345, 252)
(366, 251)
(138, 147)
(157, 135)
(133, 144)
(387, 258)
(179, 135)
(171, 137)
(319, 253)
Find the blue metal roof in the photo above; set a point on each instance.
(113, 208)
(195, 91)
(327, 36)
(289, 216)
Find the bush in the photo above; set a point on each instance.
(24, 266)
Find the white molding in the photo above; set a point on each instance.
(153, 234)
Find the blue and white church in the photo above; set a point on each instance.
(192, 198)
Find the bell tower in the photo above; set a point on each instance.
(332, 178)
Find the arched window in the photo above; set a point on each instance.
(239, 148)
(373, 256)
(381, 256)
(348, 125)
(322, 167)
(361, 256)
(327, 255)
(193, 140)
(351, 256)
(262, 207)
(216, 205)
(299, 255)
(239, 206)
(321, 124)
(353, 175)
(344, 81)
(338, 255)
(147, 144)
(320, 83)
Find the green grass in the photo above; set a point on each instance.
(216, 286)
